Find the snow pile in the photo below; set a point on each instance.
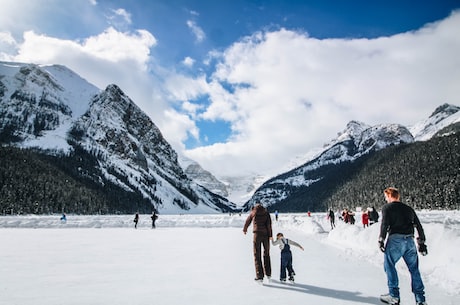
(440, 267)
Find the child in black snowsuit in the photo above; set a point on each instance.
(286, 256)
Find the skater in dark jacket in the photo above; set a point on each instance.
(154, 218)
(331, 217)
(136, 220)
(286, 256)
(262, 229)
(373, 216)
(398, 221)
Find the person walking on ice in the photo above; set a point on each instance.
(262, 229)
(331, 217)
(136, 220)
(154, 218)
(286, 256)
(398, 221)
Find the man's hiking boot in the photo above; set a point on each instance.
(387, 298)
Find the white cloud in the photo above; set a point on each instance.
(290, 92)
(116, 46)
(188, 62)
(8, 46)
(293, 93)
(54, 17)
(183, 88)
(119, 18)
(177, 128)
(196, 30)
(110, 46)
(124, 14)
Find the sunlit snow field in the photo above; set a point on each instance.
(206, 259)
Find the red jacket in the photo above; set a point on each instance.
(365, 219)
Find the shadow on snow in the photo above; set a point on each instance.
(325, 292)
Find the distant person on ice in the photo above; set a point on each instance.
(154, 218)
(373, 216)
(365, 218)
(398, 221)
(136, 220)
(262, 229)
(286, 256)
(331, 217)
(63, 218)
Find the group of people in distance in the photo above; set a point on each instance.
(154, 217)
(369, 216)
(395, 240)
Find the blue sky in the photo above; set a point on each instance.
(246, 86)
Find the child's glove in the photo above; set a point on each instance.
(381, 245)
(422, 247)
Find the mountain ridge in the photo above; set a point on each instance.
(52, 108)
(131, 153)
(357, 141)
(444, 117)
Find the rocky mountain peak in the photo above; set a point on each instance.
(442, 117)
(33, 74)
(42, 105)
(445, 110)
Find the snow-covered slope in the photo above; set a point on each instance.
(356, 140)
(40, 103)
(50, 107)
(203, 177)
(442, 117)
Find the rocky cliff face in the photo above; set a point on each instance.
(42, 104)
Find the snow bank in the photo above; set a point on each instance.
(440, 267)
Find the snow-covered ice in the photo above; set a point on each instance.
(206, 259)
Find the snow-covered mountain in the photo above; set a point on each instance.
(39, 104)
(357, 140)
(237, 189)
(442, 117)
(201, 176)
(52, 108)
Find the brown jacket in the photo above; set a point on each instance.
(262, 221)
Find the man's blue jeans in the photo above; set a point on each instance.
(398, 246)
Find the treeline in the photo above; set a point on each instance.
(427, 174)
(32, 182)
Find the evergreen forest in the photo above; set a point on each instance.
(32, 182)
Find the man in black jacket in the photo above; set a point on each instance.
(398, 221)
